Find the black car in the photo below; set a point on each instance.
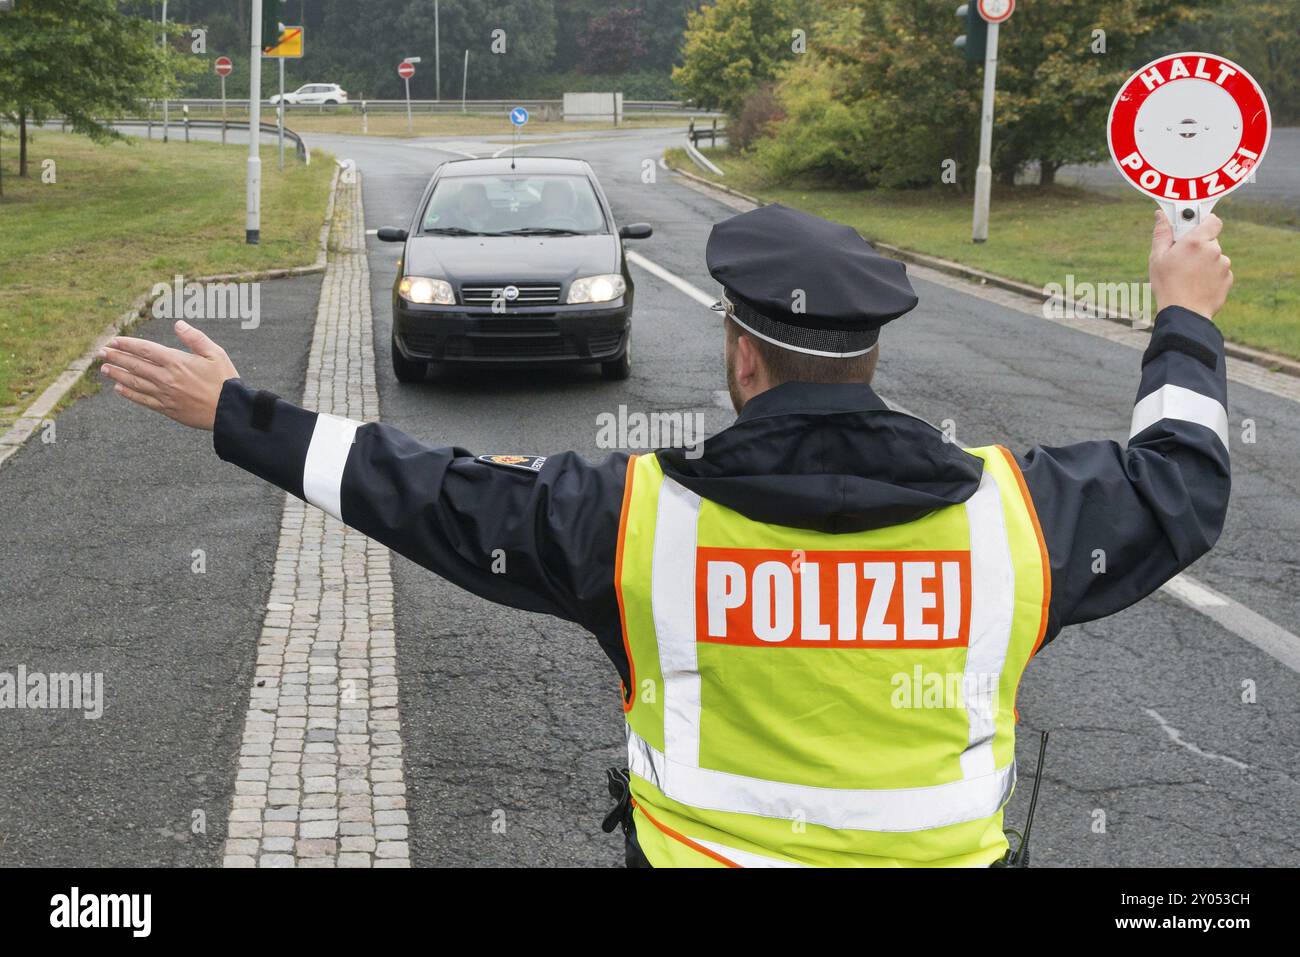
(512, 262)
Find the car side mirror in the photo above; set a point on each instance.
(636, 231)
(390, 234)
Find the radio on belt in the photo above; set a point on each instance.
(1187, 129)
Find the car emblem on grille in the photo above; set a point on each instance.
(511, 293)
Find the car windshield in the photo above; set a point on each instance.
(512, 204)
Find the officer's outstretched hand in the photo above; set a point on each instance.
(184, 386)
(1193, 272)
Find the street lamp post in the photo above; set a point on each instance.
(253, 182)
(164, 43)
(437, 57)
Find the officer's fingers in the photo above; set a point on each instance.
(1162, 237)
(144, 349)
(130, 380)
(1225, 262)
(139, 398)
(133, 364)
(197, 341)
(1209, 229)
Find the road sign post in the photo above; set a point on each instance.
(995, 12)
(279, 130)
(223, 68)
(1186, 130)
(288, 45)
(253, 217)
(464, 82)
(518, 117)
(406, 70)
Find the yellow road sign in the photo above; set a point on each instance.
(288, 47)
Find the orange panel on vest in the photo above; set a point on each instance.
(832, 599)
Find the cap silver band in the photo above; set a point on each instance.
(726, 305)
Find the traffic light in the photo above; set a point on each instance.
(272, 21)
(973, 42)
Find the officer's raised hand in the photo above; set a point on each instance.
(1193, 272)
(184, 386)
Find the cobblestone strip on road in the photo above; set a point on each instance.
(320, 780)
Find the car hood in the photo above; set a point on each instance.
(511, 258)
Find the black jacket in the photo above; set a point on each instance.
(829, 457)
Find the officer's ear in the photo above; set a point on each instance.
(748, 367)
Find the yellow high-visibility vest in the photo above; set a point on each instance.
(808, 698)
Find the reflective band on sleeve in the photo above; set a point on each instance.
(1184, 405)
(322, 473)
(673, 603)
(865, 809)
(993, 595)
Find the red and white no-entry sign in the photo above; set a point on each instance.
(223, 66)
(1187, 129)
(405, 70)
(996, 11)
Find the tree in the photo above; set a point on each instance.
(83, 59)
(1264, 37)
(890, 81)
(612, 42)
(732, 47)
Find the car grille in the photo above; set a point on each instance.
(538, 345)
(530, 293)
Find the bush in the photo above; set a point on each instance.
(818, 136)
(757, 117)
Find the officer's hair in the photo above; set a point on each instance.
(786, 365)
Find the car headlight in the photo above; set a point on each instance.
(597, 288)
(426, 291)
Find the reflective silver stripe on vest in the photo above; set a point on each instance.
(676, 771)
(673, 603)
(873, 809)
(992, 607)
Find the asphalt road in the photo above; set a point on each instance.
(512, 717)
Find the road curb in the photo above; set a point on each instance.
(1259, 357)
(31, 418)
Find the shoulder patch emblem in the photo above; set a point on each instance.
(525, 463)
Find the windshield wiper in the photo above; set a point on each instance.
(455, 231)
(541, 231)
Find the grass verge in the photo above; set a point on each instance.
(1039, 236)
(77, 251)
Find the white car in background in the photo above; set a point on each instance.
(315, 93)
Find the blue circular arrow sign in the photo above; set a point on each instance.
(519, 116)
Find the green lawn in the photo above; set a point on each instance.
(75, 253)
(1038, 236)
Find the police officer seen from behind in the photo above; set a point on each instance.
(768, 604)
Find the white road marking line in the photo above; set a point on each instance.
(1247, 625)
(1177, 738)
(674, 280)
(372, 232)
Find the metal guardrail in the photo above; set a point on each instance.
(695, 134)
(187, 124)
(354, 104)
